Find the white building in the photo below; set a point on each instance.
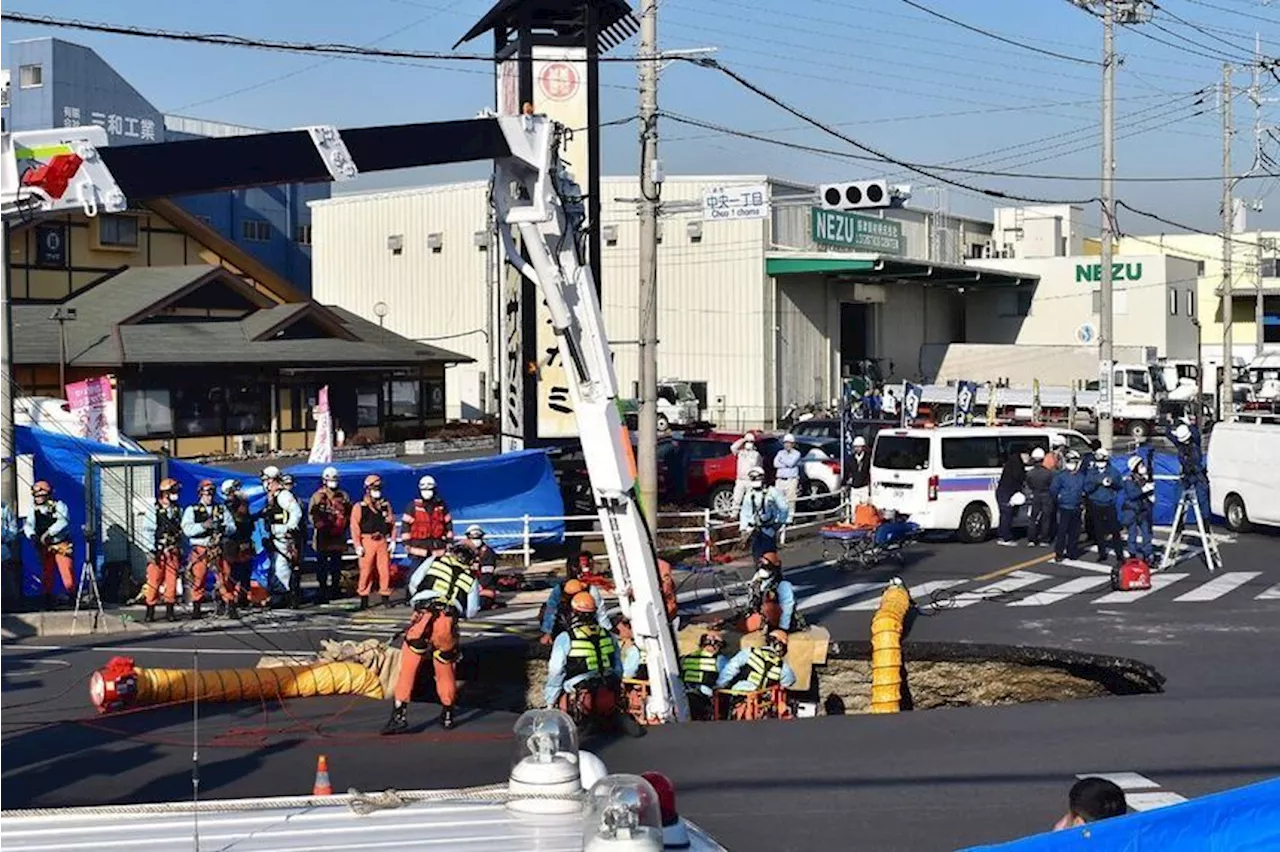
(765, 311)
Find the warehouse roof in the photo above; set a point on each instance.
(875, 268)
(202, 315)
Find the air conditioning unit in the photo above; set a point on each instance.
(244, 445)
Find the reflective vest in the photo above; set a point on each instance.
(373, 519)
(429, 520)
(590, 650)
(168, 528)
(450, 579)
(202, 513)
(46, 516)
(699, 670)
(331, 513)
(763, 669)
(274, 514)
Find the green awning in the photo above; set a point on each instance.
(885, 270)
(799, 265)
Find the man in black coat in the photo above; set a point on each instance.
(1040, 523)
(1012, 479)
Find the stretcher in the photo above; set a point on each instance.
(865, 546)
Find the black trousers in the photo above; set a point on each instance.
(1106, 529)
(1040, 523)
(1068, 541)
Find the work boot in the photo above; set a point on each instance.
(385, 600)
(364, 601)
(399, 721)
(220, 608)
(446, 717)
(197, 610)
(150, 617)
(169, 614)
(232, 611)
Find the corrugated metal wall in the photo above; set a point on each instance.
(805, 345)
(439, 296)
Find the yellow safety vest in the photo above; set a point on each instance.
(450, 579)
(763, 669)
(590, 650)
(699, 670)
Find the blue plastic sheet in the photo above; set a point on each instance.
(1244, 819)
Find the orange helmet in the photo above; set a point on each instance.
(583, 602)
(205, 485)
(573, 587)
(41, 488)
(372, 481)
(778, 637)
(771, 558)
(168, 485)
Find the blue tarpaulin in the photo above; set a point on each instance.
(1247, 818)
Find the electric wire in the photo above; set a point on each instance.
(997, 37)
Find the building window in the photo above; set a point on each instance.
(302, 235)
(255, 230)
(31, 76)
(433, 396)
(1199, 268)
(977, 251)
(1173, 303)
(117, 231)
(401, 398)
(248, 406)
(146, 412)
(197, 411)
(1191, 303)
(1268, 265)
(367, 405)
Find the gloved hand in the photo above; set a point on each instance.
(544, 639)
(359, 552)
(209, 523)
(45, 539)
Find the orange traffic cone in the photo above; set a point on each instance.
(322, 786)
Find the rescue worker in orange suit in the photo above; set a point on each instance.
(442, 590)
(237, 548)
(584, 655)
(330, 511)
(49, 529)
(426, 526)
(486, 566)
(162, 533)
(206, 524)
(700, 670)
(373, 532)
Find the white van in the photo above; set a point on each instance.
(945, 478)
(1244, 479)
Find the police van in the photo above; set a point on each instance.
(945, 478)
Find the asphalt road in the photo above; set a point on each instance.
(939, 779)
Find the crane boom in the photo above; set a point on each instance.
(534, 198)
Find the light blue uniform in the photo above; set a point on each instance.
(729, 674)
(553, 606)
(786, 464)
(556, 683)
(56, 531)
(197, 533)
(632, 660)
(763, 508)
(282, 536)
(425, 595)
(9, 522)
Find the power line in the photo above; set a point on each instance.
(1199, 28)
(1175, 224)
(1231, 11)
(996, 36)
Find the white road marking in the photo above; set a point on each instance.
(833, 595)
(1124, 780)
(1218, 586)
(1152, 800)
(1098, 567)
(1158, 582)
(918, 594)
(1062, 591)
(1016, 580)
(1270, 594)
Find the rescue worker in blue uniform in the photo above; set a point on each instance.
(772, 604)
(1138, 508)
(1102, 488)
(556, 603)
(763, 667)
(1188, 441)
(700, 671)
(584, 656)
(1067, 491)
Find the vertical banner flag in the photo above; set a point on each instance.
(322, 443)
(1036, 409)
(888, 404)
(966, 393)
(991, 404)
(93, 402)
(910, 403)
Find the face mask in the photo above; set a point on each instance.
(427, 493)
(331, 484)
(757, 484)
(376, 495)
(748, 446)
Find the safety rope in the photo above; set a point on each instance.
(360, 803)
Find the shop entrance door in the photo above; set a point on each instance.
(855, 337)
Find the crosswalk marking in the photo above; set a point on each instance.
(918, 594)
(1062, 591)
(1095, 567)
(1158, 582)
(1016, 580)
(833, 595)
(1218, 586)
(1271, 594)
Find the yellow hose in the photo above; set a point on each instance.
(886, 650)
(160, 686)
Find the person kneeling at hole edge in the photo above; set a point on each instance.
(442, 590)
(700, 671)
(556, 611)
(584, 676)
(754, 669)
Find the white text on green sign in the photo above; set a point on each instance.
(1119, 272)
(851, 231)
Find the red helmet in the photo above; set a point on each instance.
(41, 489)
(206, 485)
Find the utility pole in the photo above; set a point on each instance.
(1259, 134)
(647, 462)
(8, 447)
(1226, 391)
(1106, 356)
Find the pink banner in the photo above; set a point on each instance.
(92, 402)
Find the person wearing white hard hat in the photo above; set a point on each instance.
(786, 471)
(283, 515)
(857, 472)
(1138, 508)
(330, 513)
(764, 512)
(1040, 503)
(748, 459)
(427, 525)
(485, 565)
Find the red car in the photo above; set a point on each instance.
(710, 468)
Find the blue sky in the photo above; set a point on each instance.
(906, 83)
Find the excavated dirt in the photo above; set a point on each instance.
(938, 675)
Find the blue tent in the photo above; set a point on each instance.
(1244, 818)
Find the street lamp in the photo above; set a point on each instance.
(380, 310)
(62, 315)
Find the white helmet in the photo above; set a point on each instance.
(330, 476)
(1135, 462)
(1101, 454)
(475, 531)
(749, 439)
(1057, 440)
(859, 441)
(427, 483)
(228, 487)
(756, 472)
(1037, 454)
(788, 438)
(1182, 433)
(270, 472)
